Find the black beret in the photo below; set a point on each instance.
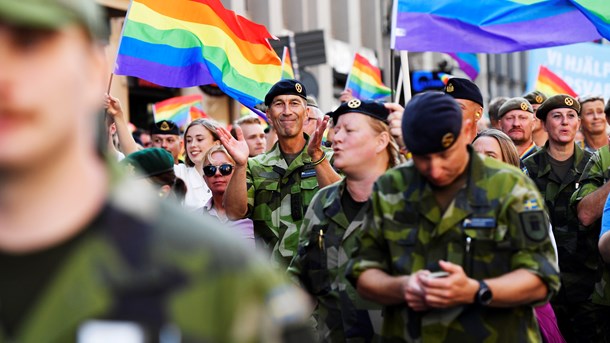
(165, 127)
(517, 103)
(607, 109)
(286, 86)
(557, 101)
(431, 123)
(535, 97)
(460, 88)
(367, 107)
(149, 161)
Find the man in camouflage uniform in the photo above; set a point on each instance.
(72, 252)
(556, 169)
(275, 188)
(476, 220)
(469, 97)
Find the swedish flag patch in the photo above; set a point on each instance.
(531, 205)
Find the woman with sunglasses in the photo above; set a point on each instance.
(363, 150)
(200, 135)
(217, 172)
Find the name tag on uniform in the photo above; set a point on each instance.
(308, 173)
(483, 223)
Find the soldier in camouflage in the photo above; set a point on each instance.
(363, 150)
(275, 188)
(81, 263)
(456, 246)
(556, 169)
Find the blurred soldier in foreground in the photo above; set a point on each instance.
(76, 242)
(456, 245)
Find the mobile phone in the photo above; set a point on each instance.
(438, 275)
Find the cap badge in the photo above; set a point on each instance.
(524, 106)
(354, 103)
(447, 140)
(449, 88)
(298, 87)
(164, 126)
(569, 101)
(538, 99)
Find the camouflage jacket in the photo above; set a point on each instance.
(326, 241)
(576, 245)
(155, 265)
(278, 196)
(494, 225)
(596, 173)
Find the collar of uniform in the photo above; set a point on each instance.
(544, 167)
(332, 203)
(270, 158)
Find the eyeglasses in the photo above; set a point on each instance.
(225, 169)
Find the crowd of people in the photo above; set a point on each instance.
(412, 224)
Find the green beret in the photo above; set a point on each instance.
(54, 14)
(149, 162)
(366, 107)
(283, 87)
(165, 127)
(535, 97)
(517, 103)
(557, 101)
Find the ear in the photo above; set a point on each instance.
(164, 191)
(479, 113)
(383, 139)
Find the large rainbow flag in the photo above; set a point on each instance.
(550, 83)
(468, 62)
(177, 109)
(287, 70)
(365, 80)
(184, 43)
(496, 26)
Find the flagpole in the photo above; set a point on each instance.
(404, 68)
(109, 83)
(392, 84)
(399, 86)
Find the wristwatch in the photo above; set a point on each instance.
(483, 296)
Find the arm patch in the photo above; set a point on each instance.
(534, 225)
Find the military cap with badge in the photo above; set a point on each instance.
(535, 97)
(557, 101)
(460, 88)
(165, 127)
(367, 107)
(431, 123)
(286, 87)
(512, 104)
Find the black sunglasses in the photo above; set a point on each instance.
(225, 169)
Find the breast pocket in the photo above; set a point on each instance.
(403, 243)
(315, 274)
(486, 253)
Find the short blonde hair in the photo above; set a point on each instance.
(216, 148)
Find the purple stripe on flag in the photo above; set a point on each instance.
(164, 75)
(428, 32)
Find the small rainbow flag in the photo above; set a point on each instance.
(287, 70)
(185, 43)
(365, 80)
(551, 84)
(197, 113)
(177, 109)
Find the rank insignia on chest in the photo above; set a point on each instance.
(308, 173)
(485, 223)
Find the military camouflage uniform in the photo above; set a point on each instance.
(595, 175)
(278, 196)
(495, 225)
(153, 264)
(576, 245)
(326, 241)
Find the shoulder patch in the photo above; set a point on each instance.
(534, 225)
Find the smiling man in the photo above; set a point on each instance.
(275, 188)
(517, 121)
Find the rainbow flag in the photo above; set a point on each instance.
(598, 12)
(177, 109)
(468, 62)
(197, 113)
(550, 83)
(287, 71)
(184, 43)
(491, 26)
(365, 80)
